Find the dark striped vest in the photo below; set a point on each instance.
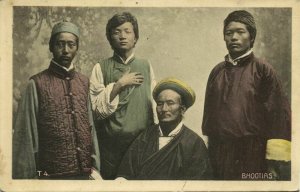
(64, 131)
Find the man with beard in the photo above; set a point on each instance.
(168, 150)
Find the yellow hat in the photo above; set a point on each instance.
(184, 90)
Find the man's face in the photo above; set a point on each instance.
(237, 39)
(169, 108)
(123, 37)
(64, 48)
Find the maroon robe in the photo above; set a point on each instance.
(244, 107)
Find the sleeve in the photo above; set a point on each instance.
(153, 84)
(209, 102)
(198, 166)
(130, 163)
(278, 117)
(25, 135)
(100, 95)
(278, 149)
(95, 151)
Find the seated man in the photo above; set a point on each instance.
(169, 150)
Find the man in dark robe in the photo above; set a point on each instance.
(246, 115)
(168, 150)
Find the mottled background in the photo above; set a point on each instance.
(182, 42)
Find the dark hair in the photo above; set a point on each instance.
(119, 19)
(53, 39)
(244, 17)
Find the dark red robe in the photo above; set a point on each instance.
(244, 107)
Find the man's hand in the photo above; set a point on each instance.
(95, 175)
(281, 170)
(134, 78)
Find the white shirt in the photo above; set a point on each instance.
(164, 140)
(100, 95)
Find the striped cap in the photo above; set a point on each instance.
(65, 26)
(187, 94)
(242, 16)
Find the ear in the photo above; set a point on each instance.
(183, 109)
(252, 41)
(50, 49)
(135, 40)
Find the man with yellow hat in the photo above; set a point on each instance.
(168, 150)
(54, 136)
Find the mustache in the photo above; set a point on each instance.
(233, 44)
(65, 57)
(164, 113)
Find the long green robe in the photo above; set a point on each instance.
(133, 114)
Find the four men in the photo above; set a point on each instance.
(246, 116)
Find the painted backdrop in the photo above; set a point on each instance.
(182, 42)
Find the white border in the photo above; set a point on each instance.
(6, 184)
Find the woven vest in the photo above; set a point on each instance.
(63, 124)
(134, 112)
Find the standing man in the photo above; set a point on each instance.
(168, 150)
(246, 115)
(121, 93)
(54, 135)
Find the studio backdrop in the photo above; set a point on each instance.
(181, 42)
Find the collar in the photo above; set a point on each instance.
(174, 132)
(67, 69)
(121, 60)
(236, 60)
(239, 60)
(61, 72)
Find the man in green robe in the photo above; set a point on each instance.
(121, 93)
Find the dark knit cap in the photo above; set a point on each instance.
(244, 17)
